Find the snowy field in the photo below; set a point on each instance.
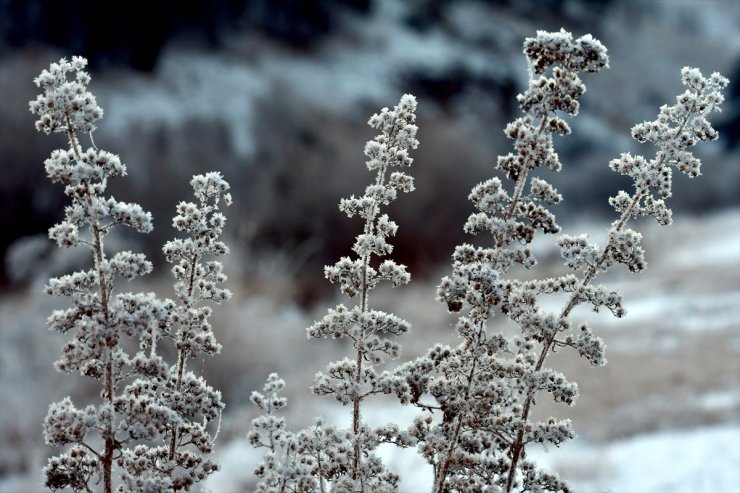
(662, 416)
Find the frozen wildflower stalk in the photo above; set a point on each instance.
(171, 406)
(98, 317)
(285, 466)
(351, 381)
(159, 404)
(483, 435)
(677, 128)
(349, 462)
(473, 394)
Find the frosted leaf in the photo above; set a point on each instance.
(74, 469)
(588, 345)
(583, 54)
(129, 265)
(543, 191)
(397, 274)
(132, 215)
(658, 209)
(599, 296)
(65, 424)
(69, 284)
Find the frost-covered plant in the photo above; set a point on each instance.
(153, 428)
(286, 466)
(352, 381)
(171, 406)
(483, 390)
(198, 279)
(344, 460)
(471, 383)
(98, 317)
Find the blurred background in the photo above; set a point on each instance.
(275, 95)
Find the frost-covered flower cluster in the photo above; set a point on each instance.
(477, 397)
(66, 105)
(473, 395)
(152, 418)
(172, 406)
(286, 465)
(677, 128)
(344, 460)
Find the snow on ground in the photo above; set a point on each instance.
(678, 461)
(697, 460)
(719, 399)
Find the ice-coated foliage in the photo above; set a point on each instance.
(477, 397)
(285, 466)
(99, 317)
(324, 458)
(152, 418)
(473, 394)
(154, 427)
(171, 406)
(66, 105)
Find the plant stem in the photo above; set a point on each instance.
(439, 480)
(518, 446)
(358, 375)
(108, 394)
(99, 258)
(357, 398)
(518, 191)
(181, 356)
(73, 142)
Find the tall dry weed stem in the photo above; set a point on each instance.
(152, 418)
(344, 460)
(476, 424)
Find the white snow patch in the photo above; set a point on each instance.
(238, 460)
(676, 461)
(688, 312)
(702, 460)
(692, 461)
(718, 400)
